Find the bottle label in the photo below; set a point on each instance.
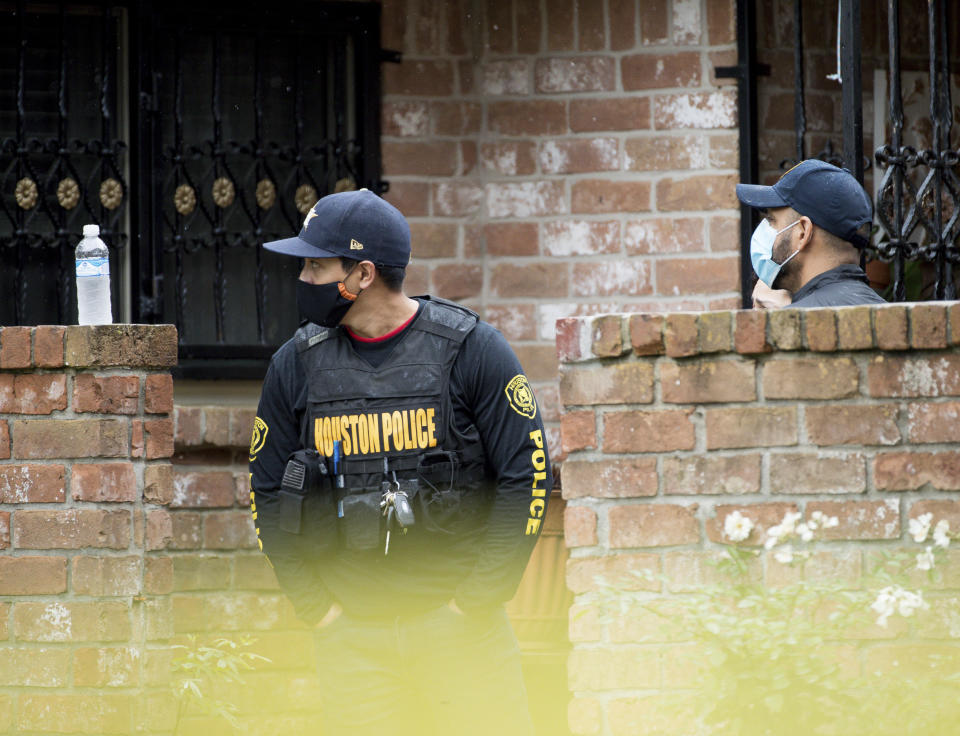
(87, 267)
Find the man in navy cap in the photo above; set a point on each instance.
(807, 245)
(400, 477)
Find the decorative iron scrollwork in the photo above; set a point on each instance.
(185, 199)
(346, 184)
(111, 193)
(223, 192)
(68, 193)
(26, 193)
(266, 194)
(305, 197)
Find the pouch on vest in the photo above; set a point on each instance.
(306, 503)
(360, 516)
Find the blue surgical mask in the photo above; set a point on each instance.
(761, 252)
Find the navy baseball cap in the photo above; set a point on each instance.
(831, 197)
(358, 225)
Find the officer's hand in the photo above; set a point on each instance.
(766, 298)
(336, 610)
(452, 605)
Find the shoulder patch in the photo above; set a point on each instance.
(259, 438)
(520, 396)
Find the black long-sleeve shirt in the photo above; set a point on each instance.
(478, 570)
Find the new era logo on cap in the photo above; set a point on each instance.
(352, 225)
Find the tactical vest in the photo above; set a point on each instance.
(394, 423)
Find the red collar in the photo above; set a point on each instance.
(382, 338)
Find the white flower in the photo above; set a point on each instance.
(941, 534)
(831, 522)
(771, 542)
(925, 559)
(737, 527)
(894, 599)
(784, 555)
(789, 523)
(805, 532)
(910, 602)
(920, 527)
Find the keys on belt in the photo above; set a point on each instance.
(395, 505)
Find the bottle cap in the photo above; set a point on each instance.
(91, 231)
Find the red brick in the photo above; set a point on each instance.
(676, 276)
(59, 438)
(619, 113)
(800, 473)
(186, 530)
(708, 381)
(433, 239)
(505, 77)
(853, 425)
(158, 575)
(33, 575)
(953, 314)
(202, 489)
(821, 327)
(763, 515)
(572, 339)
(891, 325)
(750, 332)
(613, 669)
(625, 383)
(424, 159)
(104, 714)
(600, 195)
(412, 198)
(560, 19)
(189, 425)
(4, 439)
(853, 328)
(32, 484)
(610, 478)
(575, 74)
(510, 158)
(159, 438)
(914, 376)
(648, 431)
(103, 482)
(21, 667)
(106, 667)
(405, 119)
(500, 27)
(539, 362)
(71, 529)
(933, 422)
(512, 239)
(581, 237)
(528, 28)
(159, 530)
(525, 199)
(666, 153)
(928, 326)
(106, 576)
(15, 347)
(106, 394)
(578, 431)
(418, 79)
(751, 427)
(579, 155)
(48, 346)
(911, 471)
(721, 26)
(579, 526)
(612, 278)
(4, 529)
(704, 192)
(136, 438)
(784, 327)
(127, 345)
(696, 110)
(652, 525)
(158, 483)
(711, 475)
(457, 199)
(536, 279)
(622, 23)
(714, 332)
(517, 322)
(158, 394)
(32, 393)
(680, 335)
(241, 426)
(607, 333)
(527, 117)
(217, 425)
(229, 530)
(860, 519)
(646, 334)
(458, 282)
(810, 378)
(657, 71)
(200, 572)
(591, 27)
(588, 574)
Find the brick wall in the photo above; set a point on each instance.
(673, 421)
(558, 158)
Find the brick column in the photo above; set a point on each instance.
(85, 440)
(674, 421)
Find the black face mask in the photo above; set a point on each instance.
(322, 304)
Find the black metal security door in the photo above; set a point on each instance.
(192, 133)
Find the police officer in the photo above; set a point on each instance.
(400, 479)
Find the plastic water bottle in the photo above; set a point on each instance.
(93, 279)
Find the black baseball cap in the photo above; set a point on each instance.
(831, 197)
(358, 225)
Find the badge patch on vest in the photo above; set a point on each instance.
(259, 438)
(520, 396)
